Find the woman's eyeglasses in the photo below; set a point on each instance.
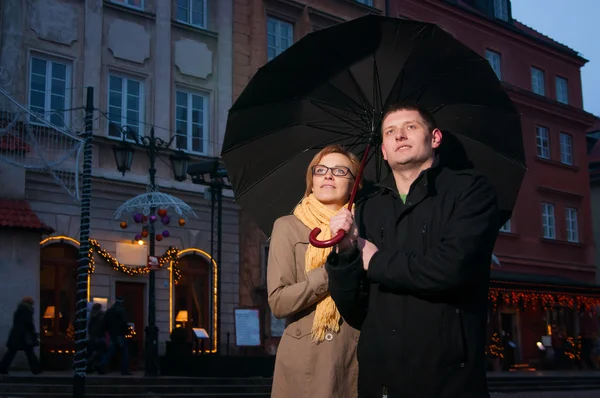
(337, 171)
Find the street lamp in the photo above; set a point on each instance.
(179, 161)
(212, 174)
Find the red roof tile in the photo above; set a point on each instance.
(9, 142)
(16, 213)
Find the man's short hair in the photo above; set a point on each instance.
(412, 106)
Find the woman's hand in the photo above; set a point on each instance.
(344, 221)
(367, 250)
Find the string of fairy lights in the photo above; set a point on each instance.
(171, 255)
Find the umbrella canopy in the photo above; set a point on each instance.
(333, 85)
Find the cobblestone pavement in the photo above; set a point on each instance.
(549, 394)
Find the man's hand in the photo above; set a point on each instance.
(367, 250)
(344, 221)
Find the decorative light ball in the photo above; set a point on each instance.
(144, 218)
(181, 222)
(138, 237)
(153, 218)
(166, 233)
(159, 237)
(123, 224)
(137, 217)
(165, 220)
(145, 233)
(162, 212)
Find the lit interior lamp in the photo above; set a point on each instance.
(140, 242)
(50, 312)
(182, 316)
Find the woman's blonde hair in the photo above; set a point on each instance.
(354, 164)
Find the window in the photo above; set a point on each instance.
(192, 12)
(366, 2)
(125, 104)
(501, 9)
(566, 148)
(537, 81)
(572, 228)
(505, 227)
(191, 121)
(50, 90)
(562, 90)
(279, 37)
(494, 60)
(543, 142)
(131, 3)
(548, 221)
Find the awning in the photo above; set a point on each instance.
(548, 291)
(16, 213)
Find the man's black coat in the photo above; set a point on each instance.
(422, 305)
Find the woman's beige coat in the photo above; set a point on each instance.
(303, 368)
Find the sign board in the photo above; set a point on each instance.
(277, 326)
(247, 327)
(153, 262)
(200, 333)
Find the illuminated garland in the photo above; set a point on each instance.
(546, 300)
(170, 256)
(495, 349)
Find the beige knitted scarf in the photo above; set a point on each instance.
(314, 214)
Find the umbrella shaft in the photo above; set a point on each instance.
(363, 161)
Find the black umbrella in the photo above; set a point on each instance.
(332, 87)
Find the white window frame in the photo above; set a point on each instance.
(126, 3)
(46, 116)
(205, 120)
(548, 221)
(506, 227)
(190, 10)
(562, 90)
(538, 84)
(572, 224)
(124, 120)
(277, 47)
(495, 60)
(566, 148)
(542, 140)
(501, 9)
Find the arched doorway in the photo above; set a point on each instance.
(58, 290)
(192, 299)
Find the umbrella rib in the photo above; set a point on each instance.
(341, 118)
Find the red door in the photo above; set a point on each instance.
(133, 294)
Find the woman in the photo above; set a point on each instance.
(317, 353)
(22, 337)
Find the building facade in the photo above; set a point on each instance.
(154, 65)
(547, 248)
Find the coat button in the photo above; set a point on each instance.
(329, 337)
(393, 332)
(298, 332)
(462, 364)
(457, 311)
(409, 203)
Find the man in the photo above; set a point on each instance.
(426, 240)
(115, 323)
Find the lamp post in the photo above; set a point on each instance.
(210, 173)
(179, 161)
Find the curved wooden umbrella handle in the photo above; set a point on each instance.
(312, 238)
